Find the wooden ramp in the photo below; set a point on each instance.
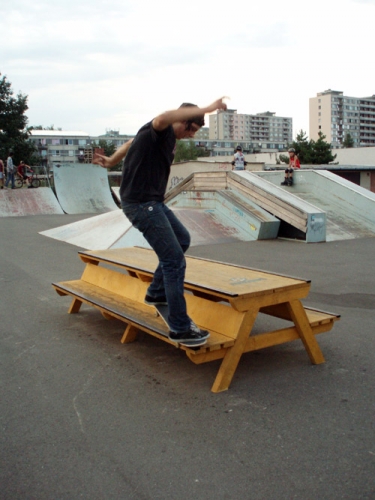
(222, 298)
(300, 218)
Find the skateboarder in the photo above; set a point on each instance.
(148, 158)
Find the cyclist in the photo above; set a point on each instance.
(22, 173)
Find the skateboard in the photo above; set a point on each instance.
(163, 311)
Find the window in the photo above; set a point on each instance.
(55, 142)
(82, 142)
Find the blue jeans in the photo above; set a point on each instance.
(10, 177)
(170, 240)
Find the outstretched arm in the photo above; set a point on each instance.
(118, 155)
(167, 118)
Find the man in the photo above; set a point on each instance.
(293, 163)
(10, 170)
(148, 158)
(22, 172)
(239, 162)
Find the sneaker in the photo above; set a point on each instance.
(156, 301)
(193, 337)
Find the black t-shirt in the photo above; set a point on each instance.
(147, 165)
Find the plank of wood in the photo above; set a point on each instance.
(74, 306)
(314, 316)
(233, 355)
(273, 205)
(214, 278)
(303, 327)
(137, 314)
(264, 195)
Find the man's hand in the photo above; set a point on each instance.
(103, 161)
(218, 104)
(108, 162)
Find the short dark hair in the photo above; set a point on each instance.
(198, 120)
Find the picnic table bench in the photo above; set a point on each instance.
(222, 298)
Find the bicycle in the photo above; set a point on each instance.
(30, 180)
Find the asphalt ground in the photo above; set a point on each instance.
(83, 416)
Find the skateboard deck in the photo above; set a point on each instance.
(163, 311)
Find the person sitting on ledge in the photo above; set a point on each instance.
(293, 163)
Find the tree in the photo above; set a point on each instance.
(348, 141)
(283, 158)
(311, 152)
(321, 153)
(303, 148)
(186, 150)
(41, 127)
(14, 135)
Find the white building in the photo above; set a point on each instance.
(61, 146)
(262, 131)
(336, 115)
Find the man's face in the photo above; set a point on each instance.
(186, 131)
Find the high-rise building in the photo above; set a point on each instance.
(263, 131)
(336, 115)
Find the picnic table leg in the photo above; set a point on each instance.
(130, 334)
(75, 306)
(232, 357)
(299, 317)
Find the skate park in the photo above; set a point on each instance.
(216, 207)
(111, 420)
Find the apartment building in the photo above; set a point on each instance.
(61, 146)
(336, 115)
(262, 131)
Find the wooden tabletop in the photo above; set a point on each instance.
(226, 280)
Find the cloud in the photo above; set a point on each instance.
(93, 64)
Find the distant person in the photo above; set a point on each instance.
(10, 170)
(1, 174)
(239, 162)
(293, 163)
(147, 165)
(22, 170)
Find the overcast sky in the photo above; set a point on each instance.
(94, 65)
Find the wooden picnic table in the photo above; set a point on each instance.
(222, 298)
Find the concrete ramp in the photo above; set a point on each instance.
(212, 215)
(113, 230)
(83, 188)
(99, 232)
(222, 207)
(116, 193)
(23, 201)
(223, 216)
(299, 219)
(350, 209)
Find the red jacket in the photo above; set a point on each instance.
(294, 162)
